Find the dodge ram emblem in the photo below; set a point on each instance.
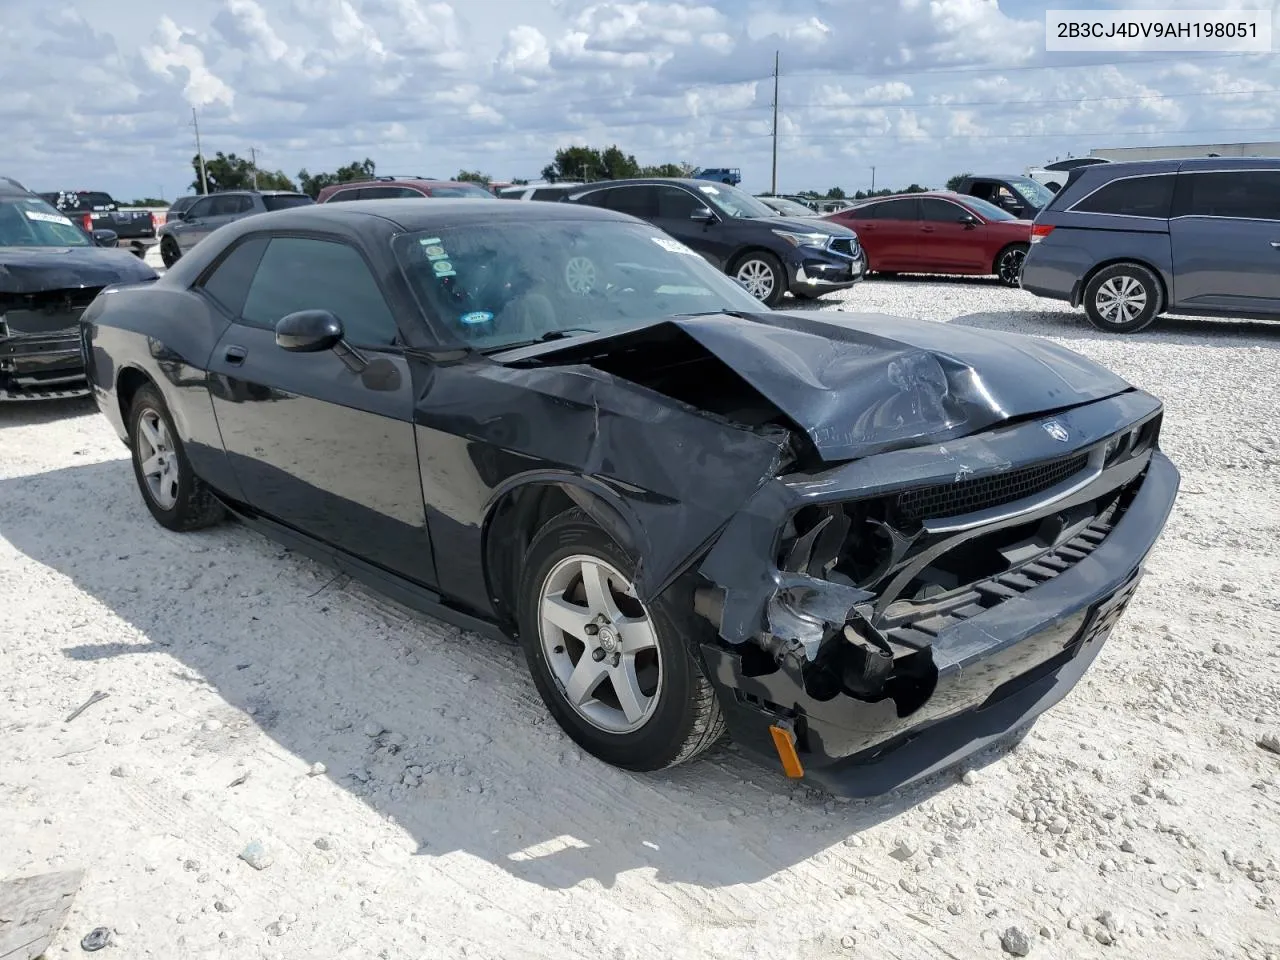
(1056, 430)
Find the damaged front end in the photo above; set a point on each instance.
(883, 619)
(40, 355)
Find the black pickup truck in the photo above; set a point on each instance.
(96, 210)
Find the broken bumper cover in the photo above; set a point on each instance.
(42, 367)
(996, 671)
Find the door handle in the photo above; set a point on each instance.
(1275, 244)
(235, 355)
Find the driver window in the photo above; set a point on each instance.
(200, 209)
(676, 204)
(300, 273)
(939, 211)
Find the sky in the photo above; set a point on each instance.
(98, 94)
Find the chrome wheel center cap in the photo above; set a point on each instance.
(608, 637)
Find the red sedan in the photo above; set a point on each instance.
(939, 233)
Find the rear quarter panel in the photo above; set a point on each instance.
(166, 334)
(1082, 242)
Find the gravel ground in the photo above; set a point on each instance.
(287, 765)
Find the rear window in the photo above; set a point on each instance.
(1131, 197)
(1243, 195)
(283, 201)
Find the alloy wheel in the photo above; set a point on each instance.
(757, 277)
(1011, 266)
(1120, 299)
(600, 644)
(158, 459)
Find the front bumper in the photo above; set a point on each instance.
(42, 367)
(996, 670)
(812, 271)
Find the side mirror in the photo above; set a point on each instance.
(705, 214)
(105, 238)
(308, 331)
(968, 219)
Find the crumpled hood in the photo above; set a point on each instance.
(33, 269)
(863, 383)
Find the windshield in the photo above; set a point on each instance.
(462, 190)
(496, 287)
(85, 201)
(282, 201)
(30, 222)
(987, 209)
(732, 202)
(789, 208)
(1034, 192)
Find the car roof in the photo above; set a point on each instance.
(399, 182)
(414, 215)
(11, 188)
(690, 182)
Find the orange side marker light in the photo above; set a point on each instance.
(784, 740)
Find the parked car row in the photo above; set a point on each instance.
(97, 210)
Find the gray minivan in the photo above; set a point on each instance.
(1133, 240)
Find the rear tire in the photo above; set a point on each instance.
(762, 274)
(630, 693)
(170, 253)
(176, 497)
(1123, 298)
(1008, 265)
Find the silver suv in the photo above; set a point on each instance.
(184, 230)
(1130, 241)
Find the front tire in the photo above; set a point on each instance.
(170, 253)
(617, 675)
(1123, 298)
(762, 274)
(176, 497)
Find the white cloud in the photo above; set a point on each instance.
(174, 53)
(920, 88)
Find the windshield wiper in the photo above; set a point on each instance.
(559, 334)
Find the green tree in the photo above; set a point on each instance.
(472, 176)
(665, 170)
(313, 183)
(226, 171)
(954, 182)
(835, 193)
(149, 202)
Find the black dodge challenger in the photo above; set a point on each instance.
(867, 546)
(50, 270)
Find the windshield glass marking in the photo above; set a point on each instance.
(536, 281)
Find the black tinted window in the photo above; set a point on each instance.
(904, 209)
(940, 211)
(338, 196)
(282, 201)
(597, 198)
(297, 273)
(1243, 196)
(202, 208)
(1131, 197)
(544, 194)
(387, 193)
(677, 204)
(229, 282)
(640, 202)
(225, 206)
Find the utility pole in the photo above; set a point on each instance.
(873, 179)
(253, 154)
(773, 183)
(204, 180)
